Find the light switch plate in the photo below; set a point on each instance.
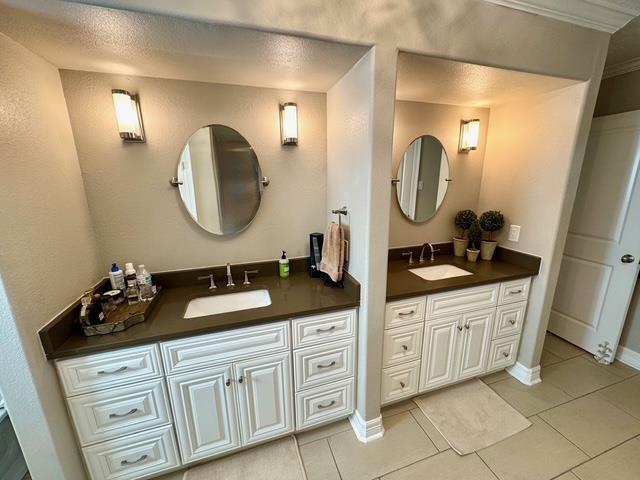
(514, 233)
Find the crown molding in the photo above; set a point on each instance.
(621, 68)
(604, 15)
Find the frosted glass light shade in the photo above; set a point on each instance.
(289, 123)
(469, 135)
(128, 116)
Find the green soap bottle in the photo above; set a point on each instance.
(283, 265)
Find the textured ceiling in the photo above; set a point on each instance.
(83, 37)
(434, 80)
(625, 43)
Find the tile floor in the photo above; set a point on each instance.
(586, 426)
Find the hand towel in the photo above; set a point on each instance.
(332, 261)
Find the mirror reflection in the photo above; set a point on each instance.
(423, 178)
(219, 177)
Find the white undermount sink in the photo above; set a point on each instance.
(439, 272)
(227, 302)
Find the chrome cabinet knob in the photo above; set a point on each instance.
(405, 348)
(512, 322)
(402, 384)
(628, 258)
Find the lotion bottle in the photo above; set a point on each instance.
(283, 265)
(116, 277)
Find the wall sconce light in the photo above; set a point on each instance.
(289, 123)
(128, 116)
(469, 135)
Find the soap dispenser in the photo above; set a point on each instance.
(283, 265)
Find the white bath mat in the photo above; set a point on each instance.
(277, 460)
(471, 416)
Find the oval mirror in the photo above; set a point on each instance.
(423, 178)
(219, 179)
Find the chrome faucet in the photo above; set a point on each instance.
(212, 282)
(229, 277)
(410, 255)
(246, 276)
(433, 250)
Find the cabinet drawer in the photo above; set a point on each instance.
(119, 411)
(102, 370)
(323, 328)
(401, 345)
(325, 403)
(503, 353)
(461, 301)
(208, 350)
(400, 381)
(323, 364)
(509, 320)
(404, 312)
(515, 291)
(136, 456)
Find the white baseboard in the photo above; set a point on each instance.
(629, 357)
(366, 431)
(528, 376)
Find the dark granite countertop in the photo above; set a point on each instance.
(401, 283)
(296, 296)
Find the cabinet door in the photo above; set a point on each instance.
(474, 348)
(439, 352)
(204, 406)
(264, 397)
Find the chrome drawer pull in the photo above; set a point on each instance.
(127, 462)
(240, 380)
(402, 384)
(323, 330)
(118, 370)
(505, 354)
(332, 364)
(405, 348)
(512, 322)
(120, 415)
(330, 404)
(459, 327)
(467, 326)
(406, 314)
(228, 382)
(515, 292)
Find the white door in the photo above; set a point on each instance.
(600, 262)
(204, 406)
(441, 338)
(264, 397)
(474, 347)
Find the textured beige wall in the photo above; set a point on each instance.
(47, 253)
(526, 166)
(139, 217)
(413, 119)
(619, 94)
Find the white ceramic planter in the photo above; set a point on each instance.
(487, 249)
(460, 246)
(472, 254)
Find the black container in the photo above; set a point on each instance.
(315, 254)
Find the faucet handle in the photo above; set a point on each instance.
(410, 255)
(246, 276)
(212, 282)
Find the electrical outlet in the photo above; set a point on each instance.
(514, 233)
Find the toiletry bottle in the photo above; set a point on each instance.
(117, 277)
(144, 283)
(283, 265)
(132, 293)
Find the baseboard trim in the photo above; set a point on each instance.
(528, 376)
(629, 357)
(366, 431)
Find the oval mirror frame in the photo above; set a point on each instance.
(423, 179)
(220, 180)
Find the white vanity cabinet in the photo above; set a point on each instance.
(465, 333)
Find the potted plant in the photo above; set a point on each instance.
(475, 235)
(490, 222)
(463, 220)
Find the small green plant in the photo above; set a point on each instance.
(464, 219)
(475, 235)
(491, 221)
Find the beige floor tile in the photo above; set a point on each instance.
(567, 476)
(403, 443)
(549, 358)
(431, 431)
(624, 395)
(496, 377)
(399, 407)
(530, 400)
(179, 475)
(616, 367)
(537, 453)
(323, 432)
(560, 347)
(445, 466)
(621, 463)
(592, 423)
(318, 461)
(578, 376)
